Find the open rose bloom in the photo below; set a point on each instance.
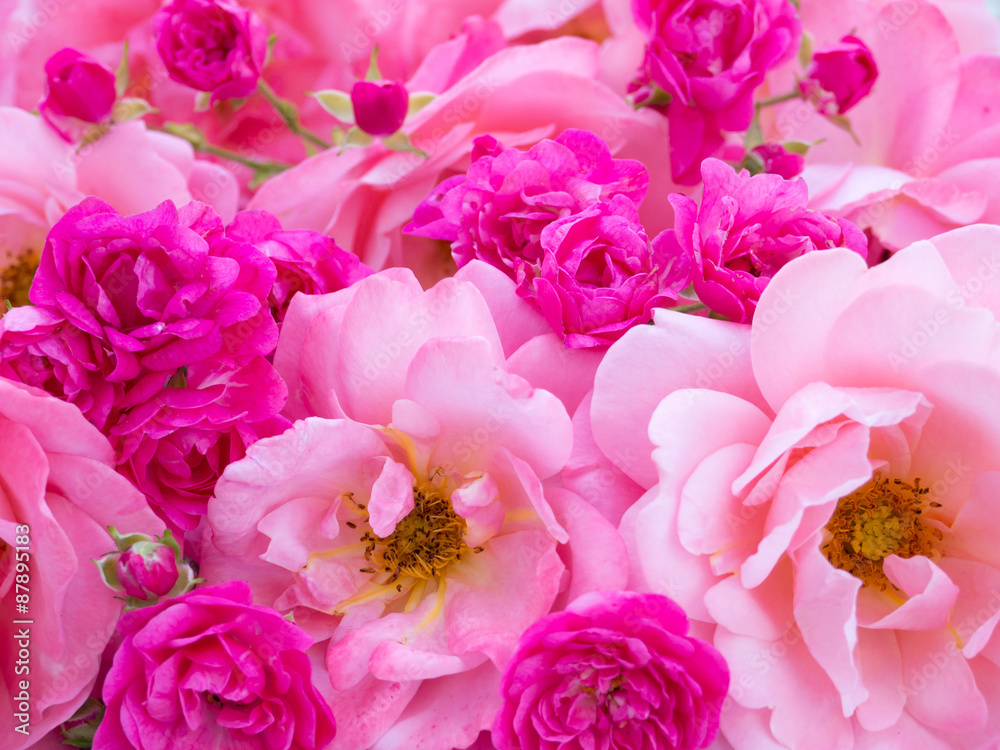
(823, 494)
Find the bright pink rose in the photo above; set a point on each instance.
(840, 76)
(147, 571)
(823, 492)
(746, 229)
(60, 494)
(599, 276)
(411, 512)
(616, 669)
(497, 211)
(706, 57)
(306, 261)
(162, 342)
(211, 45)
(77, 86)
(379, 108)
(212, 670)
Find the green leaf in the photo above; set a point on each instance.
(190, 133)
(130, 108)
(337, 103)
(373, 74)
(400, 141)
(754, 135)
(121, 75)
(356, 137)
(271, 40)
(844, 124)
(203, 101)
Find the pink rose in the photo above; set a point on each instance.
(306, 261)
(379, 108)
(77, 86)
(840, 76)
(42, 176)
(61, 493)
(209, 669)
(747, 228)
(616, 669)
(822, 493)
(410, 516)
(599, 276)
(365, 196)
(211, 45)
(706, 57)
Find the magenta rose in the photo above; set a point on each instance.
(210, 670)
(746, 229)
(60, 493)
(704, 59)
(158, 327)
(306, 261)
(497, 211)
(379, 108)
(211, 45)
(599, 276)
(76, 86)
(840, 76)
(615, 670)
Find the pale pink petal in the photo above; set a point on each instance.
(391, 497)
(881, 673)
(546, 362)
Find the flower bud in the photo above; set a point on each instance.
(146, 568)
(779, 160)
(839, 76)
(77, 86)
(379, 108)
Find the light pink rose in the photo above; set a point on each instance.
(133, 169)
(822, 494)
(412, 518)
(928, 131)
(60, 494)
(315, 50)
(521, 95)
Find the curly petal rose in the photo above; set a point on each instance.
(776, 159)
(599, 276)
(60, 494)
(497, 211)
(706, 58)
(78, 87)
(211, 45)
(615, 670)
(747, 228)
(306, 261)
(840, 76)
(157, 326)
(405, 512)
(824, 494)
(210, 669)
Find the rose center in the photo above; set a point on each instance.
(885, 517)
(423, 544)
(16, 278)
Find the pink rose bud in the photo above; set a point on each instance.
(76, 86)
(146, 569)
(379, 108)
(779, 160)
(840, 76)
(211, 45)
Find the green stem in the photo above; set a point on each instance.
(779, 99)
(197, 140)
(289, 115)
